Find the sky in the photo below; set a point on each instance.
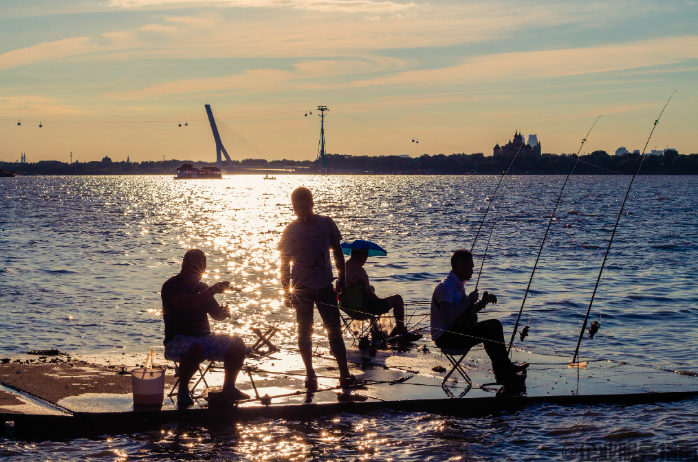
(117, 77)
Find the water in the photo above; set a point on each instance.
(84, 258)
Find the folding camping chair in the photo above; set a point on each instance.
(452, 355)
(202, 377)
(352, 304)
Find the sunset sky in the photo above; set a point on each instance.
(115, 77)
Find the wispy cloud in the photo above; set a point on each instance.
(266, 80)
(553, 63)
(346, 6)
(32, 105)
(46, 51)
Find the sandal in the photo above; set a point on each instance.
(350, 381)
(311, 382)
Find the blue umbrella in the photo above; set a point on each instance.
(374, 250)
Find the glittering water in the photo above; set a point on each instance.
(83, 259)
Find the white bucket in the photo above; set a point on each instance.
(148, 386)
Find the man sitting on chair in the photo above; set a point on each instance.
(454, 323)
(374, 305)
(186, 304)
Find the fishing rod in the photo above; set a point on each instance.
(477, 234)
(545, 236)
(484, 256)
(595, 326)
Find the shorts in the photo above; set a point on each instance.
(215, 346)
(377, 307)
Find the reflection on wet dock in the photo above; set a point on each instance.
(406, 380)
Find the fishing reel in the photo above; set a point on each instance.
(524, 333)
(594, 328)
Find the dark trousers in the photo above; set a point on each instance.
(489, 333)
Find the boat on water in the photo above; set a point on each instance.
(6, 173)
(188, 171)
(267, 177)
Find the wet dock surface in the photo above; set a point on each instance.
(96, 386)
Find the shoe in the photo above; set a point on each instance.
(184, 400)
(505, 378)
(350, 381)
(518, 367)
(311, 383)
(228, 395)
(409, 337)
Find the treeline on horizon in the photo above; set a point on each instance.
(596, 163)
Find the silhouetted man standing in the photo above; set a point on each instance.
(306, 276)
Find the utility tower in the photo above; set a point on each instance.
(321, 144)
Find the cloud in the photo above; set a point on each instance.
(45, 51)
(265, 80)
(33, 105)
(553, 63)
(345, 6)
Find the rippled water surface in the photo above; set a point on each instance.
(83, 259)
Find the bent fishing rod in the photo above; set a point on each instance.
(610, 241)
(545, 236)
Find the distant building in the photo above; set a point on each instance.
(532, 140)
(106, 160)
(621, 150)
(637, 151)
(405, 156)
(656, 152)
(518, 146)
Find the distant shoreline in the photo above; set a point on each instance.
(596, 163)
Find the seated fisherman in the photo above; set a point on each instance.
(454, 321)
(186, 304)
(372, 303)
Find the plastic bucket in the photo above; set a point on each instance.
(148, 386)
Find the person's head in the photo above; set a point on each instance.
(462, 264)
(359, 256)
(302, 201)
(194, 263)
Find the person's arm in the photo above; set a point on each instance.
(369, 294)
(187, 302)
(216, 311)
(339, 261)
(286, 278)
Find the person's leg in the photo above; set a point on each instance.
(327, 306)
(234, 358)
(303, 303)
(396, 303)
(493, 340)
(188, 366)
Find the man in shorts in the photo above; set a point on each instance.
(306, 276)
(372, 303)
(186, 304)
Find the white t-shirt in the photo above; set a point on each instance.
(450, 290)
(308, 247)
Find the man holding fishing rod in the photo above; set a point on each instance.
(306, 276)
(454, 322)
(186, 304)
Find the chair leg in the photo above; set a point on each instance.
(202, 376)
(172, 391)
(457, 367)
